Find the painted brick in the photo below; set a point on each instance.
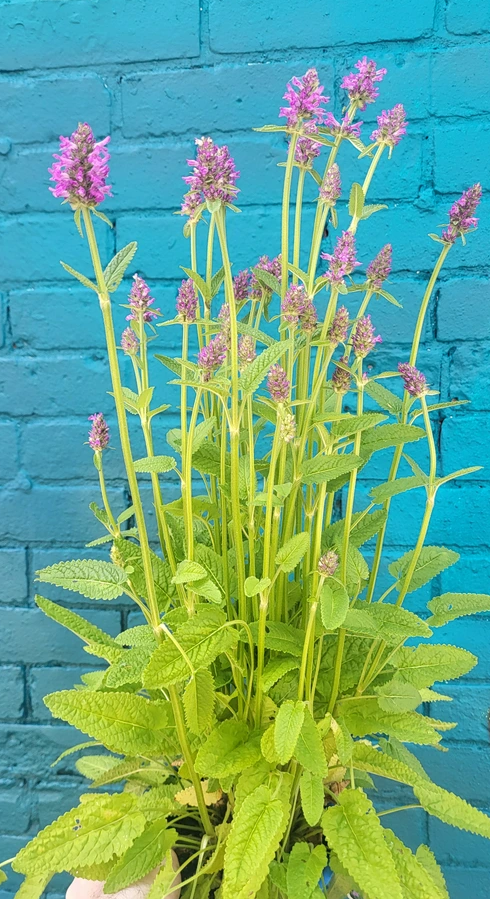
(30, 634)
(49, 680)
(235, 29)
(13, 576)
(472, 574)
(51, 35)
(224, 97)
(469, 373)
(43, 318)
(460, 155)
(462, 19)
(455, 81)
(455, 847)
(459, 310)
(61, 512)
(469, 708)
(398, 178)
(464, 775)
(40, 109)
(460, 880)
(464, 443)
(47, 385)
(8, 450)
(11, 693)
(54, 802)
(27, 750)
(15, 808)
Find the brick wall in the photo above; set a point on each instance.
(154, 74)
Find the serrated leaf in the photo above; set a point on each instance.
(312, 797)
(386, 491)
(158, 464)
(165, 881)
(431, 561)
(261, 336)
(92, 578)
(202, 638)
(188, 571)
(229, 749)
(200, 283)
(284, 638)
(364, 717)
(95, 766)
(334, 604)
(287, 728)
(84, 629)
(384, 397)
(305, 868)
(123, 722)
(114, 272)
(352, 424)
(369, 525)
(385, 436)
(415, 880)
(101, 826)
(427, 858)
(290, 555)
(367, 758)
(386, 621)
(356, 200)
(252, 842)
(199, 699)
(370, 209)
(254, 374)
(67, 752)
(274, 670)
(427, 664)
(309, 749)
(130, 767)
(323, 468)
(140, 635)
(85, 281)
(343, 740)
(268, 280)
(145, 854)
(253, 586)
(128, 668)
(397, 696)
(451, 809)
(129, 555)
(449, 606)
(354, 832)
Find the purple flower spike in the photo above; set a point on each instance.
(187, 301)
(341, 378)
(246, 350)
(241, 285)
(191, 203)
(309, 317)
(331, 187)
(337, 332)
(363, 339)
(414, 382)
(140, 300)
(81, 169)
(361, 86)
(98, 436)
(287, 428)
(306, 102)
(328, 563)
(343, 259)
(462, 214)
(307, 149)
(210, 357)
(392, 125)
(343, 128)
(379, 269)
(294, 303)
(129, 342)
(267, 265)
(278, 384)
(214, 173)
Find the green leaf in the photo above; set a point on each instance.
(415, 880)
(128, 668)
(274, 670)
(287, 728)
(386, 491)
(129, 556)
(114, 272)
(253, 585)
(284, 638)
(364, 717)
(145, 854)
(84, 629)
(141, 635)
(101, 826)
(386, 621)
(454, 605)
(123, 722)
(164, 882)
(144, 771)
(229, 749)
(79, 746)
(261, 336)
(216, 281)
(158, 464)
(200, 283)
(356, 201)
(199, 701)
(354, 832)
(90, 577)
(451, 809)
(427, 858)
(268, 280)
(290, 555)
(385, 436)
(424, 665)
(254, 374)
(367, 758)
(384, 397)
(334, 604)
(312, 797)
(188, 571)
(352, 424)
(85, 281)
(367, 526)
(305, 868)
(431, 561)
(326, 468)
(202, 638)
(343, 741)
(252, 843)
(369, 210)
(94, 767)
(309, 749)
(397, 696)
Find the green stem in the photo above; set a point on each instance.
(297, 221)
(188, 757)
(103, 493)
(286, 197)
(264, 604)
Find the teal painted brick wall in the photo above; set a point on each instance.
(155, 74)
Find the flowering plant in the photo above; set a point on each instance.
(270, 678)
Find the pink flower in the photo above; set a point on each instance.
(267, 265)
(337, 332)
(414, 382)
(343, 259)
(98, 437)
(361, 86)
(278, 384)
(187, 301)
(210, 357)
(331, 186)
(363, 339)
(379, 269)
(462, 214)
(306, 102)
(129, 342)
(392, 125)
(140, 300)
(214, 173)
(81, 169)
